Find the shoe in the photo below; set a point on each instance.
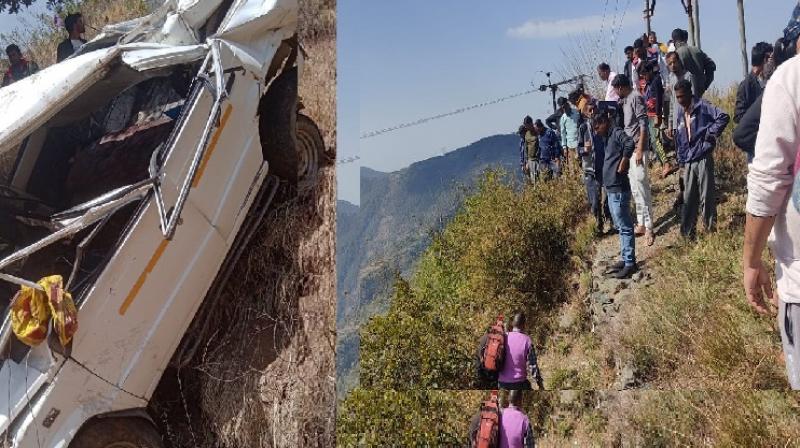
(626, 272)
(616, 267)
(639, 230)
(650, 238)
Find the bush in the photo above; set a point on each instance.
(504, 252)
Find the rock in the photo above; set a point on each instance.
(626, 379)
(638, 276)
(602, 298)
(620, 286)
(568, 397)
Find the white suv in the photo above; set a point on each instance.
(143, 165)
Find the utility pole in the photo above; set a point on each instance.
(697, 24)
(687, 6)
(647, 15)
(742, 36)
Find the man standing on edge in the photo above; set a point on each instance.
(618, 149)
(695, 61)
(549, 151)
(19, 67)
(699, 126)
(753, 85)
(515, 427)
(520, 359)
(568, 124)
(75, 27)
(635, 121)
(606, 75)
(529, 152)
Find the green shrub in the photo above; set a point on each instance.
(505, 251)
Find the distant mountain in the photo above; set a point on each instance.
(384, 236)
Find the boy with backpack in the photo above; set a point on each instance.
(509, 428)
(491, 353)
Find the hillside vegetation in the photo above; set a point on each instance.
(503, 252)
(707, 370)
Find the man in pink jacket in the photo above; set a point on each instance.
(515, 427)
(520, 359)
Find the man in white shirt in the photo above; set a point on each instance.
(75, 27)
(605, 73)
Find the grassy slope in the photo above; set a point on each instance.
(690, 334)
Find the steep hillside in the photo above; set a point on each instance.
(391, 228)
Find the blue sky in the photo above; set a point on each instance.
(401, 61)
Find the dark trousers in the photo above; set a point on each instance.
(699, 195)
(524, 385)
(598, 200)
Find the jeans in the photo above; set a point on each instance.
(640, 189)
(598, 203)
(619, 203)
(699, 194)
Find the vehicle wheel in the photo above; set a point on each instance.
(310, 152)
(277, 124)
(117, 433)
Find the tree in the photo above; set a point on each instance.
(14, 6)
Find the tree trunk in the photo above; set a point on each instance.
(690, 30)
(742, 36)
(696, 11)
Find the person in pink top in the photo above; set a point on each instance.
(515, 427)
(520, 359)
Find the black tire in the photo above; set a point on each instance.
(310, 152)
(277, 123)
(116, 432)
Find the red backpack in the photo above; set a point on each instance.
(494, 352)
(488, 431)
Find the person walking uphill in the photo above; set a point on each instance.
(699, 126)
(635, 120)
(75, 27)
(515, 426)
(618, 150)
(520, 359)
(19, 67)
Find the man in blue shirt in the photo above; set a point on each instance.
(699, 126)
(549, 151)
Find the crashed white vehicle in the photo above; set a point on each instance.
(145, 163)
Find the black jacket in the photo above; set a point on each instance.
(65, 49)
(744, 134)
(749, 89)
(617, 146)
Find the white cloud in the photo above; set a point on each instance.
(552, 29)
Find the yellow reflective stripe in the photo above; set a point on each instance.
(212, 146)
(142, 277)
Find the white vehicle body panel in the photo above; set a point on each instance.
(135, 314)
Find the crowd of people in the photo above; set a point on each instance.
(652, 111)
(19, 67)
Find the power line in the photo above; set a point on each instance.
(447, 114)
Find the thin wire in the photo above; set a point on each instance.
(447, 114)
